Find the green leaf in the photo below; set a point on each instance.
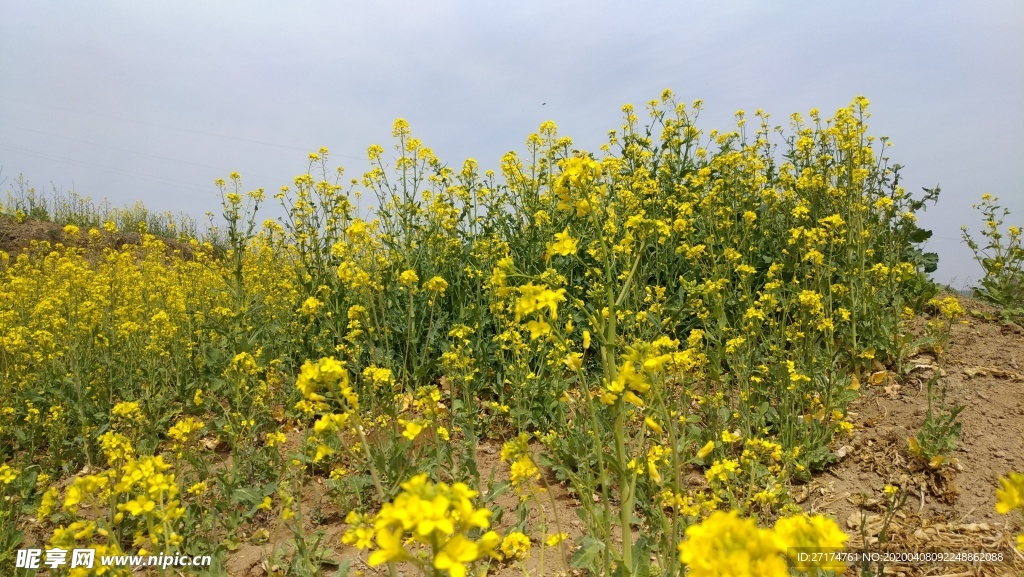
(920, 235)
(930, 262)
(586, 557)
(641, 553)
(248, 496)
(343, 568)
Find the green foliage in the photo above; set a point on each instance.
(1002, 258)
(680, 300)
(24, 202)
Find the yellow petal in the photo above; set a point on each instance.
(706, 450)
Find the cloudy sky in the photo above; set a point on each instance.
(154, 100)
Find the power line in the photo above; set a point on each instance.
(103, 168)
(167, 126)
(126, 150)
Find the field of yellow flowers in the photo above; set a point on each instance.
(668, 332)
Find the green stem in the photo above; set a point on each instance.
(376, 479)
(602, 471)
(408, 342)
(626, 494)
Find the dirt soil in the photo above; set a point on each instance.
(17, 237)
(951, 508)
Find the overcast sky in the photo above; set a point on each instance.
(153, 100)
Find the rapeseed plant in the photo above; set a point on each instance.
(726, 544)
(432, 526)
(1002, 258)
(678, 299)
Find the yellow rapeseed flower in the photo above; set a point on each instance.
(275, 438)
(411, 430)
(706, 449)
(431, 519)
(724, 544)
(183, 431)
(811, 532)
(555, 538)
(47, 503)
(456, 553)
(538, 328)
(515, 546)
(537, 298)
(408, 278)
(360, 531)
(7, 474)
(322, 451)
(564, 244)
(128, 410)
(436, 284)
(722, 469)
(653, 425)
(310, 306)
(1011, 496)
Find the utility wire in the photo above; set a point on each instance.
(127, 150)
(103, 168)
(167, 126)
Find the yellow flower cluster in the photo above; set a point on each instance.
(1010, 497)
(523, 472)
(626, 385)
(129, 411)
(722, 470)
(534, 299)
(563, 245)
(325, 376)
(515, 546)
(428, 524)
(950, 307)
(726, 544)
(183, 432)
(811, 533)
(147, 504)
(7, 474)
(577, 173)
(116, 447)
(311, 306)
(436, 284)
(378, 376)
